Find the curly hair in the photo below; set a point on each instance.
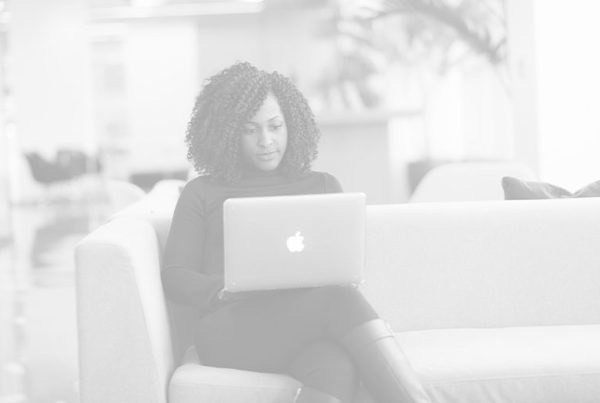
(227, 101)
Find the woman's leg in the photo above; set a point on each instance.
(265, 333)
(326, 372)
(382, 365)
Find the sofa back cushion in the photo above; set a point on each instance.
(484, 264)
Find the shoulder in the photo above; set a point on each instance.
(200, 195)
(330, 183)
(195, 186)
(199, 189)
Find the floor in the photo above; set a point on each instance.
(38, 333)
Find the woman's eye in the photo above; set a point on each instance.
(276, 126)
(249, 130)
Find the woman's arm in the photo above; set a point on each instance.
(182, 276)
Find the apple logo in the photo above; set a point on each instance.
(295, 243)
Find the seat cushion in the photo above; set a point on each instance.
(542, 364)
(193, 383)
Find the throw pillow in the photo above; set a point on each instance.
(517, 189)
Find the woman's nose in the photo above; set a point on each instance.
(264, 138)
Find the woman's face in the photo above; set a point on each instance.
(263, 139)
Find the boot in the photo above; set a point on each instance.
(306, 394)
(383, 367)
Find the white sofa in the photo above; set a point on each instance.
(492, 301)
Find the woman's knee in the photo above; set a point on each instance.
(337, 295)
(344, 307)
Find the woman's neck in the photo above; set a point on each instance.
(251, 172)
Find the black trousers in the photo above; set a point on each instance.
(290, 331)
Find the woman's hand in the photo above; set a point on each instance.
(223, 295)
(226, 296)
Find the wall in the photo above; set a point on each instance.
(293, 45)
(49, 77)
(4, 137)
(223, 40)
(468, 115)
(161, 76)
(523, 88)
(555, 88)
(50, 65)
(568, 90)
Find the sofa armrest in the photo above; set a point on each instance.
(156, 207)
(125, 348)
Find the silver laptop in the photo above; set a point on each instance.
(283, 242)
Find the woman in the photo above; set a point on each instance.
(252, 133)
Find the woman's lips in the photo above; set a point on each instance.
(267, 156)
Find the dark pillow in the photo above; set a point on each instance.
(517, 189)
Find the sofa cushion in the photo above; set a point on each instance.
(192, 383)
(542, 364)
(517, 189)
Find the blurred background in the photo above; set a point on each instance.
(95, 96)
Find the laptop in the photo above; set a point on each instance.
(282, 242)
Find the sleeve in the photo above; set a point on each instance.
(182, 277)
(332, 185)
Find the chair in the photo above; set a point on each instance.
(468, 181)
(42, 182)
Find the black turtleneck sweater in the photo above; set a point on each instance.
(193, 258)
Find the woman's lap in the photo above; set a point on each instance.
(265, 332)
(261, 333)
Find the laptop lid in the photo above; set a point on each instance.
(280, 242)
